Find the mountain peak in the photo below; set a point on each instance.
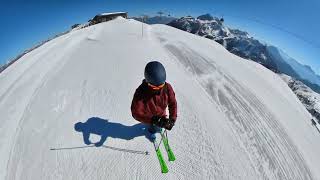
(207, 17)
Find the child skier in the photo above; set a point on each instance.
(152, 98)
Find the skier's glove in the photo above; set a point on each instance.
(159, 121)
(169, 124)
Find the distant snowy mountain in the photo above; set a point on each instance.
(235, 41)
(242, 44)
(302, 72)
(282, 65)
(156, 19)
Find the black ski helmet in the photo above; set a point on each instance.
(154, 73)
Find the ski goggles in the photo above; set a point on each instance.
(156, 87)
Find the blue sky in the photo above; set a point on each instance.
(292, 25)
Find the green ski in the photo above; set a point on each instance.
(164, 139)
(171, 156)
(164, 168)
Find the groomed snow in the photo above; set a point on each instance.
(236, 119)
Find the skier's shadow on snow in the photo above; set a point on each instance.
(105, 129)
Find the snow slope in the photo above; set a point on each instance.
(236, 119)
(309, 98)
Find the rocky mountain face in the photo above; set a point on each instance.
(237, 42)
(242, 44)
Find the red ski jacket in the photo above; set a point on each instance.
(147, 102)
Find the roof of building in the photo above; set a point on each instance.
(113, 13)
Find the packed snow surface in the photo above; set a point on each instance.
(236, 119)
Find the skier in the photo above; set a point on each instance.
(151, 99)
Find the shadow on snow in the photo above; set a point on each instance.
(104, 128)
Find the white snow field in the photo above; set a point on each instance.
(236, 119)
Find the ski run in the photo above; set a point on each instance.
(236, 119)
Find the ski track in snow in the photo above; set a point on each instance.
(269, 147)
(224, 131)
